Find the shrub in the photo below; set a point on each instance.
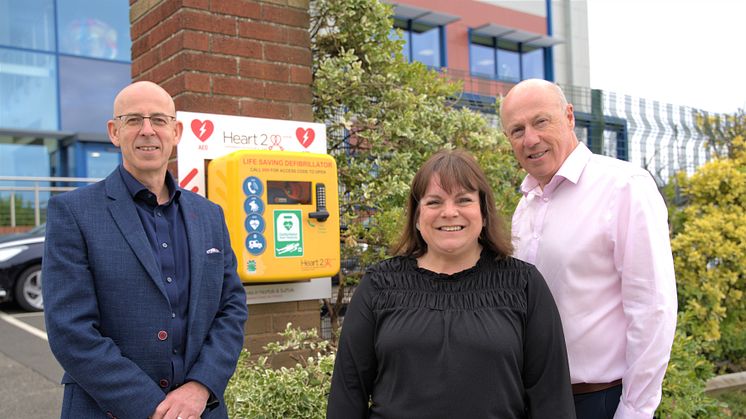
(259, 391)
(709, 255)
(684, 384)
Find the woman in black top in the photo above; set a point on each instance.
(452, 327)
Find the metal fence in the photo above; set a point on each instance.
(661, 137)
(23, 199)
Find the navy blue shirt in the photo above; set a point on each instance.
(164, 226)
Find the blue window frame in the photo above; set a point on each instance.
(505, 60)
(422, 42)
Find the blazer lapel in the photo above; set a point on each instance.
(123, 211)
(196, 239)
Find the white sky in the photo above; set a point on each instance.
(684, 52)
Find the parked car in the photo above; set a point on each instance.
(20, 268)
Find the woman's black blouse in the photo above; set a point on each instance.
(482, 343)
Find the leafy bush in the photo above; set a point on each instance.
(684, 383)
(259, 391)
(709, 249)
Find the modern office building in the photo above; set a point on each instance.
(61, 63)
(492, 44)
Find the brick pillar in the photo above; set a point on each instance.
(234, 57)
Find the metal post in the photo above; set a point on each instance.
(12, 208)
(596, 131)
(37, 217)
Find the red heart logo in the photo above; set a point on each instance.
(202, 130)
(305, 136)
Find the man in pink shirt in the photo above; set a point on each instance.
(596, 228)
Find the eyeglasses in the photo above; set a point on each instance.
(135, 121)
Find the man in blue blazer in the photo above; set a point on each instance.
(143, 305)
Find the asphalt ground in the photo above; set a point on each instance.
(29, 375)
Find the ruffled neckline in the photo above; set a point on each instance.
(468, 272)
(400, 283)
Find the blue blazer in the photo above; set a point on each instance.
(105, 303)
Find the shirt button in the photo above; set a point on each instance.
(536, 235)
(545, 199)
(162, 335)
(164, 245)
(176, 351)
(159, 214)
(169, 279)
(163, 383)
(173, 315)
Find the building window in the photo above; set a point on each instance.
(22, 155)
(27, 24)
(100, 163)
(45, 81)
(422, 42)
(505, 60)
(94, 28)
(508, 61)
(28, 93)
(87, 90)
(61, 64)
(532, 62)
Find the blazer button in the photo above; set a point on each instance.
(162, 335)
(163, 383)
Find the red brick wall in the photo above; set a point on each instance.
(265, 320)
(234, 57)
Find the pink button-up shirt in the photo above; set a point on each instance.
(598, 232)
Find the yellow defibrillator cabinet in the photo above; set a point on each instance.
(282, 211)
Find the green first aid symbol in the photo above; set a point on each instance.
(288, 233)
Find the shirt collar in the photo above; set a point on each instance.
(135, 188)
(570, 170)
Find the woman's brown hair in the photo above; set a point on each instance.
(454, 169)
